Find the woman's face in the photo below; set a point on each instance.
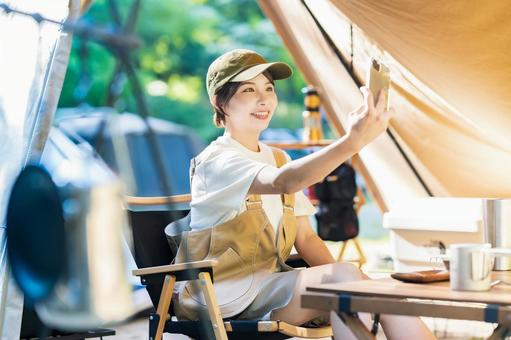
(252, 106)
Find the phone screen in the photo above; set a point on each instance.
(379, 79)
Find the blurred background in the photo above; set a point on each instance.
(180, 40)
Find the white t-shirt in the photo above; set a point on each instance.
(224, 172)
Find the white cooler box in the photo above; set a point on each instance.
(416, 227)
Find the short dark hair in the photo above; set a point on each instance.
(224, 95)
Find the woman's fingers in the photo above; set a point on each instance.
(368, 99)
(372, 120)
(380, 103)
(364, 108)
(358, 110)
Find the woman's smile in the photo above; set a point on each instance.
(261, 115)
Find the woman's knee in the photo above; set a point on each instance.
(346, 271)
(331, 273)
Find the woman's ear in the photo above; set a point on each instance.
(212, 100)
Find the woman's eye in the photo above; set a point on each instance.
(269, 88)
(248, 89)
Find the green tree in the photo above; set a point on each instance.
(180, 40)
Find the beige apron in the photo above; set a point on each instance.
(246, 250)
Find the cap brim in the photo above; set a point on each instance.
(278, 71)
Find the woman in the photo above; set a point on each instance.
(247, 208)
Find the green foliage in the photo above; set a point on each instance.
(180, 40)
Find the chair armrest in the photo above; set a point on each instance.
(157, 200)
(304, 332)
(158, 203)
(181, 272)
(171, 268)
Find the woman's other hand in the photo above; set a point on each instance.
(369, 120)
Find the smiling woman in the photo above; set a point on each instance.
(248, 209)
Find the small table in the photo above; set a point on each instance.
(389, 296)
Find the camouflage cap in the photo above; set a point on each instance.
(241, 65)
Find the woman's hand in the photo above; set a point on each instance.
(369, 120)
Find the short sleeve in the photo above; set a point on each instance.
(220, 185)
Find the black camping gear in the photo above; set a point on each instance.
(336, 216)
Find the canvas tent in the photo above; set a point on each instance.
(450, 72)
(36, 58)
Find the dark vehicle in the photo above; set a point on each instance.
(177, 144)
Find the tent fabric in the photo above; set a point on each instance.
(33, 64)
(46, 106)
(450, 85)
(389, 177)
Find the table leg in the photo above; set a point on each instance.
(499, 333)
(356, 326)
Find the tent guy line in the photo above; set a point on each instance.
(348, 65)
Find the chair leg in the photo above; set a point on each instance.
(213, 309)
(163, 306)
(343, 249)
(361, 256)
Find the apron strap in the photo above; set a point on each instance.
(288, 201)
(253, 202)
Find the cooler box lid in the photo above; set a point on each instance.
(436, 214)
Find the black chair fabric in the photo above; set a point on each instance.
(150, 243)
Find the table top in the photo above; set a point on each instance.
(388, 287)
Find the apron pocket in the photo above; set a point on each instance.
(232, 279)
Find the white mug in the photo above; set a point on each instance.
(471, 265)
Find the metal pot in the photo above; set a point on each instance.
(64, 242)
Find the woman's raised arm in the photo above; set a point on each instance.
(366, 123)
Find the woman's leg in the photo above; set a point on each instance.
(294, 314)
(395, 327)
(399, 327)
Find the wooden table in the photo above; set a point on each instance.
(389, 296)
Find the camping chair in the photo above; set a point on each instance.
(359, 202)
(149, 216)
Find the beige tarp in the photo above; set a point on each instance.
(451, 86)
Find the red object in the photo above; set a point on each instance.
(311, 193)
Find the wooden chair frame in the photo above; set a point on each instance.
(200, 270)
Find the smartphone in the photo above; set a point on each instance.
(379, 79)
